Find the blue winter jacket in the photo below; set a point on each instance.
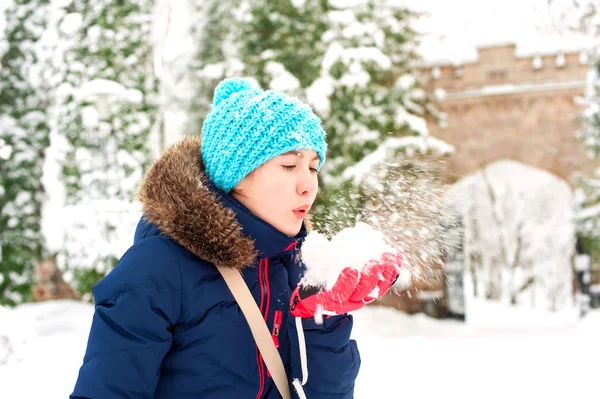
(165, 323)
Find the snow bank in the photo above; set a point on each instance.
(400, 354)
(49, 341)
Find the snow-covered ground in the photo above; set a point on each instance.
(500, 352)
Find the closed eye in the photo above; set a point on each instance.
(292, 167)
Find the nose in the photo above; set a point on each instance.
(306, 185)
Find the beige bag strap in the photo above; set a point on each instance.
(259, 328)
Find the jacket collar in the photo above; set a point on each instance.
(268, 241)
(179, 200)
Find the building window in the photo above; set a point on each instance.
(436, 72)
(560, 61)
(430, 308)
(537, 63)
(459, 72)
(497, 76)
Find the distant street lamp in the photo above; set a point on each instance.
(583, 272)
(102, 94)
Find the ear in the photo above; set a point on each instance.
(239, 188)
(243, 184)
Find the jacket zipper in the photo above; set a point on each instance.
(277, 327)
(263, 270)
(265, 294)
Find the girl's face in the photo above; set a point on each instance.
(282, 190)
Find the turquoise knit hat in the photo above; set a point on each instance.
(246, 127)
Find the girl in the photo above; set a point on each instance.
(165, 323)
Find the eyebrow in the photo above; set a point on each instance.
(317, 157)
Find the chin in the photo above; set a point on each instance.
(291, 231)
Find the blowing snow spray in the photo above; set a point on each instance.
(397, 208)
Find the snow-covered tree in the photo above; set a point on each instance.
(589, 217)
(217, 33)
(518, 234)
(107, 110)
(367, 92)
(282, 43)
(24, 137)
(368, 96)
(110, 93)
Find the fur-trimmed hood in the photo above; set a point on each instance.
(178, 198)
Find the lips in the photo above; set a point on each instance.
(301, 212)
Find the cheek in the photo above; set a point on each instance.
(278, 194)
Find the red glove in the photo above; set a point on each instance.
(351, 290)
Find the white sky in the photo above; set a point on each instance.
(455, 28)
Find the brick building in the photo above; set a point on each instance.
(515, 107)
(503, 106)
